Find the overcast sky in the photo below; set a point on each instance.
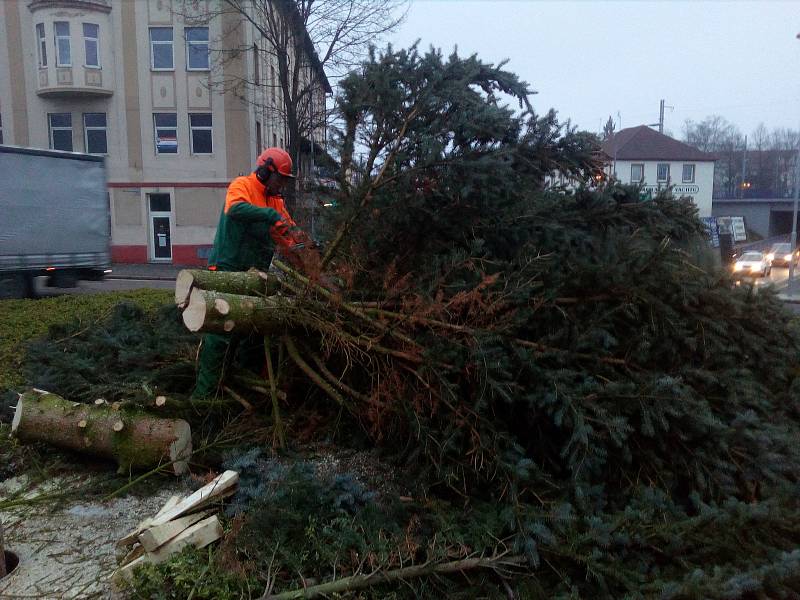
(589, 60)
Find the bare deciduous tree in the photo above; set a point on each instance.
(299, 45)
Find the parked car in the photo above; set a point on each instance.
(781, 255)
(751, 264)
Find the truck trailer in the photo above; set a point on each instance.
(54, 219)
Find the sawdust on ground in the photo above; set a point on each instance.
(68, 553)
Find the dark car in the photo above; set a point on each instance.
(781, 255)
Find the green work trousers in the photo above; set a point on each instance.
(219, 352)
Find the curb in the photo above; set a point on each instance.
(137, 278)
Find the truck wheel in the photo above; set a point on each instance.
(15, 285)
(63, 279)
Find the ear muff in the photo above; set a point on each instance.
(263, 171)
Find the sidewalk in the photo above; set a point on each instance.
(154, 271)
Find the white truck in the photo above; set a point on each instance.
(54, 219)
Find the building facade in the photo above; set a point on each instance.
(143, 83)
(643, 156)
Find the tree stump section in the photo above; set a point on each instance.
(216, 312)
(135, 441)
(249, 283)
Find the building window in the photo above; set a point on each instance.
(63, 53)
(161, 57)
(91, 33)
(1, 129)
(196, 48)
(165, 126)
(663, 172)
(95, 133)
(60, 131)
(259, 148)
(42, 44)
(200, 133)
(688, 173)
(272, 82)
(274, 139)
(637, 173)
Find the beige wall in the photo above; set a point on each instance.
(17, 74)
(198, 206)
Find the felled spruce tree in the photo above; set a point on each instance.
(576, 357)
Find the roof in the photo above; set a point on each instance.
(644, 143)
(308, 44)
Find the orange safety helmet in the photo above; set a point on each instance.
(278, 159)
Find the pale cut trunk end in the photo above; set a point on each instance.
(183, 287)
(222, 306)
(17, 416)
(195, 314)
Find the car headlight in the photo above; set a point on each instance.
(788, 257)
(755, 267)
(770, 257)
(737, 267)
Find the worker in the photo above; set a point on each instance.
(253, 222)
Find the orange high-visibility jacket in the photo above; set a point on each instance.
(250, 226)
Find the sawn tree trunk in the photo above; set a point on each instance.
(135, 441)
(249, 283)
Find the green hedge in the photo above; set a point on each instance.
(24, 320)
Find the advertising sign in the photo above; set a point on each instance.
(711, 229)
(739, 231)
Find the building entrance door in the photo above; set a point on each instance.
(160, 227)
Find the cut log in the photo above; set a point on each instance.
(198, 535)
(222, 486)
(250, 283)
(125, 572)
(161, 400)
(135, 441)
(245, 314)
(173, 501)
(154, 537)
(132, 555)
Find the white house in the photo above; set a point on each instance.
(654, 160)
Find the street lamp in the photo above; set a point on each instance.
(790, 283)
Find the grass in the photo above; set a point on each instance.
(24, 320)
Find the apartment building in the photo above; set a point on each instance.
(145, 83)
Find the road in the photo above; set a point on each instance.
(107, 285)
(776, 279)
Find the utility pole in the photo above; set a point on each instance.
(660, 123)
(790, 283)
(744, 169)
(619, 125)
